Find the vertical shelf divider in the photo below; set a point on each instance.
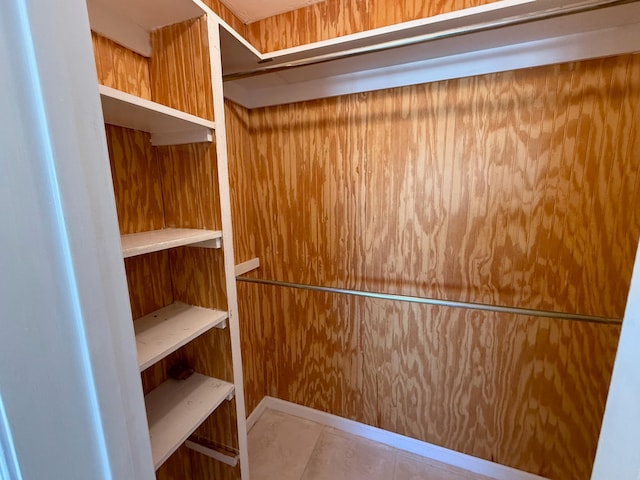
(227, 235)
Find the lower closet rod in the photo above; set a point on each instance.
(445, 303)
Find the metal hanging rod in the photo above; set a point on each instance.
(443, 303)
(430, 37)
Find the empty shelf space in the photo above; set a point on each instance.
(167, 126)
(166, 330)
(156, 240)
(128, 22)
(177, 407)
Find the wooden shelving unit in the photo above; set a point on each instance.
(157, 240)
(167, 126)
(177, 407)
(171, 53)
(166, 330)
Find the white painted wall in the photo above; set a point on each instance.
(618, 455)
(71, 404)
(251, 11)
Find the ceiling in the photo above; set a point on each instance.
(252, 10)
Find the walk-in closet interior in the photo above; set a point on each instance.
(268, 172)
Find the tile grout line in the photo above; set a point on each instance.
(313, 450)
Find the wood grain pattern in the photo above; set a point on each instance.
(135, 173)
(187, 464)
(207, 468)
(181, 58)
(308, 364)
(384, 12)
(516, 188)
(120, 68)
(190, 186)
(177, 467)
(335, 18)
(227, 15)
(252, 334)
(198, 276)
(240, 159)
(244, 214)
(149, 281)
(320, 21)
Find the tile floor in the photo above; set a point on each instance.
(284, 447)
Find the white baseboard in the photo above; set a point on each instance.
(257, 413)
(424, 449)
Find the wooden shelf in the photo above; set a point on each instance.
(157, 240)
(248, 266)
(167, 126)
(166, 330)
(177, 407)
(577, 36)
(128, 22)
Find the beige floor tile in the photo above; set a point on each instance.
(280, 446)
(414, 467)
(339, 456)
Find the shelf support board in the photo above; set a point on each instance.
(213, 243)
(246, 267)
(222, 325)
(199, 135)
(197, 445)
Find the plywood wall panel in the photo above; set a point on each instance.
(252, 338)
(220, 427)
(189, 176)
(291, 200)
(341, 194)
(335, 18)
(198, 276)
(387, 12)
(181, 57)
(186, 463)
(135, 173)
(309, 365)
(517, 188)
(361, 402)
(320, 21)
(227, 15)
(590, 351)
(475, 240)
(329, 19)
(241, 171)
(149, 281)
(205, 467)
(120, 68)
(177, 467)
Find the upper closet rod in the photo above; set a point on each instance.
(429, 37)
(445, 303)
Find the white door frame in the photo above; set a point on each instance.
(618, 454)
(71, 404)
